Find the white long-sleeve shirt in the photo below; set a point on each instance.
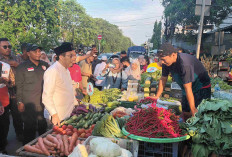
(98, 70)
(58, 96)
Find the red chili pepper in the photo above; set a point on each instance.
(154, 122)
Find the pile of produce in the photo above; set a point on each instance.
(121, 112)
(155, 75)
(104, 147)
(211, 128)
(55, 145)
(84, 109)
(147, 100)
(107, 127)
(154, 122)
(70, 130)
(102, 97)
(82, 121)
(223, 85)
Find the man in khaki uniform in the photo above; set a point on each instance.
(86, 70)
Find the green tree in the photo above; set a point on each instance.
(156, 37)
(30, 21)
(182, 13)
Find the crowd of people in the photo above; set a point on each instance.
(39, 92)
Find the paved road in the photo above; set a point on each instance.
(13, 143)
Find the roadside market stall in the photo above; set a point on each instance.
(131, 123)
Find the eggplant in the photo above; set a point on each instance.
(82, 109)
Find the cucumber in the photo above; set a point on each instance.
(95, 119)
(95, 115)
(79, 125)
(79, 118)
(87, 116)
(91, 115)
(69, 121)
(74, 117)
(85, 126)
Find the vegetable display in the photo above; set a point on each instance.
(107, 127)
(54, 145)
(155, 75)
(223, 85)
(104, 96)
(154, 122)
(211, 128)
(104, 147)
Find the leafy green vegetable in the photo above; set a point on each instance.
(211, 128)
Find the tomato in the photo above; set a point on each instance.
(59, 130)
(82, 135)
(63, 132)
(70, 127)
(75, 130)
(55, 128)
(87, 135)
(64, 127)
(69, 133)
(81, 131)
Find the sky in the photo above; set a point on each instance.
(135, 18)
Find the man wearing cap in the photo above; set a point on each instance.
(29, 84)
(58, 95)
(189, 73)
(86, 70)
(98, 70)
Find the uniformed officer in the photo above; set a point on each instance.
(29, 83)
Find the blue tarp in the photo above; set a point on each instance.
(135, 51)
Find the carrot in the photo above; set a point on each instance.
(48, 143)
(53, 140)
(42, 146)
(65, 140)
(59, 138)
(69, 139)
(31, 149)
(78, 142)
(72, 142)
(37, 146)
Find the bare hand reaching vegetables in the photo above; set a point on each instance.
(55, 120)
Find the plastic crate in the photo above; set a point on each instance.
(147, 149)
(130, 145)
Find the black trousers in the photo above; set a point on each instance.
(33, 121)
(4, 128)
(198, 97)
(16, 115)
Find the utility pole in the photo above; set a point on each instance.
(200, 29)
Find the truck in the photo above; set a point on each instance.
(135, 51)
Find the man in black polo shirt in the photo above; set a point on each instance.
(189, 73)
(29, 83)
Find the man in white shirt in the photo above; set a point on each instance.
(98, 70)
(58, 95)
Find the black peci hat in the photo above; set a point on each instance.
(65, 47)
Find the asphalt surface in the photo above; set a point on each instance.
(13, 143)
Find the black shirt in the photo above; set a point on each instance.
(187, 69)
(29, 83)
